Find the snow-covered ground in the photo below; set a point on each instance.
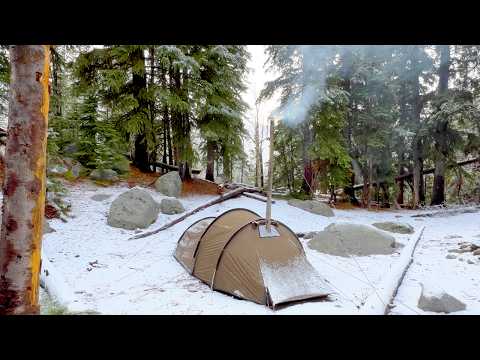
(104, 271)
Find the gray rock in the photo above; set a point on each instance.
(169, 184)
(77, 170)
(352, 239)
(395, 227)
(469, 261)
(70, 149)
(47, 228)
(451, 256)
(57, 169)
(476, 252)
(68, 161)
(100, 197)
(104, 175)
(133, 209)
(310, 235)
(437, 300)
(459, 251)
(171, 206)
(313, 206)
(461, 259)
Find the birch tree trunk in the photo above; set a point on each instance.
(24, 183)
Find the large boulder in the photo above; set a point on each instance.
(169, 184)
(171, 206)
(346, 239)
(313, 206)
(395, 227)
(437, 300)
(133, 209)
(104, 175)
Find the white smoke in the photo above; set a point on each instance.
(313, 61)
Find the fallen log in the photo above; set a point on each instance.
(449, 212)
(221, 198)
(380, 302)
(256, 197)
(432, 170)
(173, 168)
(409, 175)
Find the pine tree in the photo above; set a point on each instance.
(222, 70)
(120, 72)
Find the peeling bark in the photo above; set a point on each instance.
(24, 183)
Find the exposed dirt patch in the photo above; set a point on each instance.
(137, 177)
(200, 187)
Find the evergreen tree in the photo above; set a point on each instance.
(120, 73)
(220, 120)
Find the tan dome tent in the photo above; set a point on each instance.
(230, 254)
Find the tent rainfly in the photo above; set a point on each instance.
(231, 255)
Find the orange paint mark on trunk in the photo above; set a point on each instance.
(39, 209)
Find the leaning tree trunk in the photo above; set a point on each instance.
(209, 175)
(24, 182)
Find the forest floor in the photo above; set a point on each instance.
(102, 270)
